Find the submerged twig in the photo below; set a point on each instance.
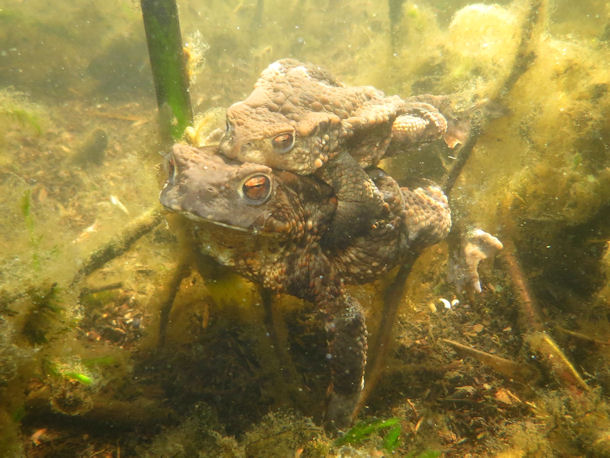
(112, 249)
(542, 344)
(556, 362)
(395, 14)
(581, 336)
(99, 289)
(120, 243)
(378, 352)
(504, 366)
(275, 326)
(139, 412)
(528, 309)
(168, 296)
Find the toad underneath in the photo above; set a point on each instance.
(269, 227)
(300, 119)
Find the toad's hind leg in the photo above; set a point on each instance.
(427, 215)
(428, 220)
(347, 349)
(287, 380)
(167, 296)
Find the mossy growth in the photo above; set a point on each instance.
(283, 433)
(199, 433)
(18, 113)
(483, 38)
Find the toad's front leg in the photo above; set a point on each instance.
(422, 123)
(359, 202)
(347, 349)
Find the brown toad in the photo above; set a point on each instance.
(300, 119)
(268, 226)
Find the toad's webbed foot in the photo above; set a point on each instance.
(442, 120)
(347, 347)
(467, 253)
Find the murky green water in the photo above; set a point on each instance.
(81, 373)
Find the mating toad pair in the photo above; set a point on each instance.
(291, 199)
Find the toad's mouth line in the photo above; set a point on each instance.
(231, 227)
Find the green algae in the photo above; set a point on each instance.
(389, 430)
(26, 203)
(13, 108)
(17, 111)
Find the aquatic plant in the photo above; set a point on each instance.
(168, 66)
(26, 211)
(365, 430)
(15, 108)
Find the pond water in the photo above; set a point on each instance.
(88, 256)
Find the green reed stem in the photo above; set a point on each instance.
(168, 66)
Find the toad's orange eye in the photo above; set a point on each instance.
(283, 143)
(257, 188)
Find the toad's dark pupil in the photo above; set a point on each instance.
(283, 142)
(257, 188)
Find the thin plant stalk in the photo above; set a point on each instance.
(167, 61)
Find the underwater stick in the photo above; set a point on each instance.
(168, 295)
(121, 243)
(395, 14)
(506, 367)
(540, 343)
(103, 408)
(168, 66)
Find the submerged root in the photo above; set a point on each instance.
(97, 408)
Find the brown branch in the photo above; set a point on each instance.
(120, 243)
(506, 367)
(548, 352)
(168, 295)
(139, 412)
(529, 315)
